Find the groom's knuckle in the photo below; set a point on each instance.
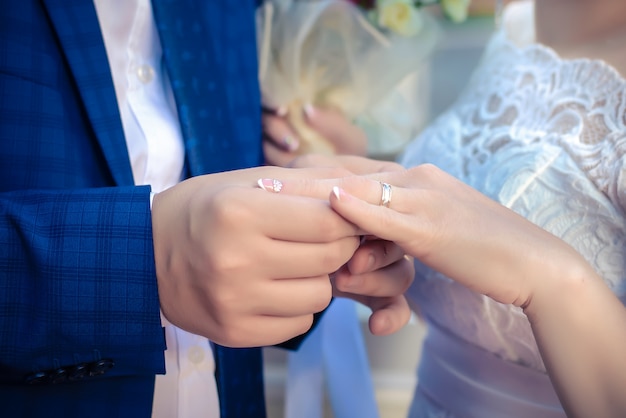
(229, 207)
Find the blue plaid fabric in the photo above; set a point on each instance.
(77, 279)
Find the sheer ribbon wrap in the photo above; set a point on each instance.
(327, 53)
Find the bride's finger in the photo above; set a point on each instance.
(384, 222)
(366, 188)
(332, 124)
(278, 131)
(276, 156)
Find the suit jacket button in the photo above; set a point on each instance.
(37, 378)
(100, 367)
(58, 376)
(78, 372)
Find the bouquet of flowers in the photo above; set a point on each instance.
(349, 55)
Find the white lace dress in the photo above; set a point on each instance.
(545, 137)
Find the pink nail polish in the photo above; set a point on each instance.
(270, 185)
(309, 110)
(282, 111)
(291, 143)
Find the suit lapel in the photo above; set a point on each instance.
(76, 24)
(198, 84)
(210, 54)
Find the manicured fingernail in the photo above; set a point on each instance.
(337, 192)
(282, 111)
(270, 185)
(309, 110)
(340, 193)
(290, 143)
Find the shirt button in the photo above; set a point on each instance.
(195, 354)
(145, 74)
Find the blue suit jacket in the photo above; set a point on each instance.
(77, 275)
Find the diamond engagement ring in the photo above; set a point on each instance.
(385, 198)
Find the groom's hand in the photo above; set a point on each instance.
(244, 267)
(378, 273)
(377, 276)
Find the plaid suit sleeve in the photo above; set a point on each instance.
(77, 281)
(77, 275)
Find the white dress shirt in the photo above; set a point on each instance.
(156, 151)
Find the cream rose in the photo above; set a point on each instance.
(400, 16)
(456, 10)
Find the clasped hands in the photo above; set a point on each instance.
(247, 267)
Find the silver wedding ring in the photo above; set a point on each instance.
(385, 198)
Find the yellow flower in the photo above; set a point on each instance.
(400, 16)
(456, 10)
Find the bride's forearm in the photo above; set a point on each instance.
(580, 327)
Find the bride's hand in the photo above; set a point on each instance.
(487, 247)
(454, 229)
(282, 144)
(576, 319)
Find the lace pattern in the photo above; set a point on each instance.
(546, 137)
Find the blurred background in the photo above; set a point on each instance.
(393, 359)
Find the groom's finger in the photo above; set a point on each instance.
(308, 187)
(389, 315)
(374, 254)
(391, 280)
